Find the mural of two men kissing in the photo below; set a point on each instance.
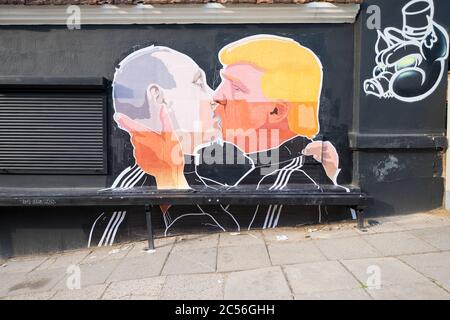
(258, 129)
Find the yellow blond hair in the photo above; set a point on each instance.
(292, 73)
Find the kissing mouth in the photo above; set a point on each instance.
(217, 120)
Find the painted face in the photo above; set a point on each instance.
(189, 102)
(242, 106)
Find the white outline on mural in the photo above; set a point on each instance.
(109, 234)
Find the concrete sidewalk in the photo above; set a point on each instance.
(404, 257)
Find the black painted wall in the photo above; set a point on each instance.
(398, 145)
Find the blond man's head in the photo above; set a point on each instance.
(289, 75)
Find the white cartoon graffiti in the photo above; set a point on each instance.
(410, 62)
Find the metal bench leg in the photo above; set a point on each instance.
(148, 217)
(360, 217)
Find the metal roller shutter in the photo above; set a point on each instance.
(52, 132)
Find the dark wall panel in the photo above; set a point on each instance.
(399, 143)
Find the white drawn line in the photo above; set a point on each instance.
(133, 183)
(253, 219)
(281, 172)
(120, 176)
(267, 217)
(275, 224)
(231, 215)
(289, 176)
(130, 176)
(107, 228)
(271, 216)
(113, 226)
(286, 173)
(192, 214)
(164, 219)
(92, 229)
(117, 228)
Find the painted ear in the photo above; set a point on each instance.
(279, 112)
(304, 119)
(155, 94)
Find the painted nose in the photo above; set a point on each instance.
(376, 87)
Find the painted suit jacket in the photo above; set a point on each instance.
(270, 171)
(223, 167)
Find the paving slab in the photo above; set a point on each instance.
(142, 289)
(107, 253)
(22, 265)
(421, 291)
(201, 260)
(294, 253)
(193, 287)
(351, 294)
(347, 248)
(433, 265)
(162, 242)
(242, 257)
(237, 239)
(140, 248)
(383, 226)
(419, 221)
(284, 235)
(92, 274)
(437, 237)
(382, 219)
(30, 283)
(333, 233)
(140, 265)
(439, 219)
(260, 284)
(86, 293)
(398, 243)
(190, 242)
(319, 277)
(63, 260)
(391, 272)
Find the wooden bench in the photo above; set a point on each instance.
(147, 197)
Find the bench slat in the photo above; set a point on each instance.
(327, 195)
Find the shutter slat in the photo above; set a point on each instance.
(51, 132)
